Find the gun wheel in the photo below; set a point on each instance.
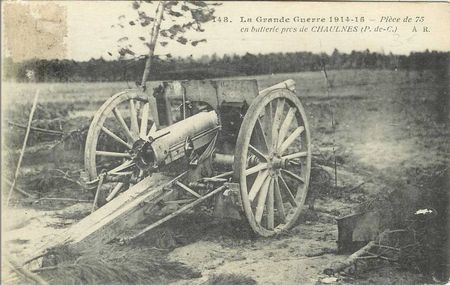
(116, 126)
(273, 161)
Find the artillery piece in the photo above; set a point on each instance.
(178, 144)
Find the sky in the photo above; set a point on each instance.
(92, 29)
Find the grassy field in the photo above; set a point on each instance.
(309, 83)
(367, 106)
(389, 130)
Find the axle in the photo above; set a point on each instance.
(275, 162)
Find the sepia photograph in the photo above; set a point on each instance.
(225, 142)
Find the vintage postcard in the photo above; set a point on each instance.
(225, 142)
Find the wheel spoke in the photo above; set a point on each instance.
(276, 122)
(270, 208)
(138, 106)
(144, 120)
(290, 139)
(262, 200)
(123, 166)
(279, 201)
(296, 155)
(285, 126)
(257, 184)
(288, 192)
(293, 175)
(255, 169)
(124, 126)
(116, 173)
(257, 153)
(112, 154)
(134, 119)
(116, 137)
(154, 111)
(114, 191)
(260, 129)
(152, 130)
(267, 124)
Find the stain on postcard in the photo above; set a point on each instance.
(34, 30)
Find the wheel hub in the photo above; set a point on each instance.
(276, 162)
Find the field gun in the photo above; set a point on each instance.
(181, 143)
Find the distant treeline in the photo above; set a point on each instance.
(215, 66)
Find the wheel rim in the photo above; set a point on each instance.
(273, 161)
(116, 126)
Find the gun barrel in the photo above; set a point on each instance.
(200, 129)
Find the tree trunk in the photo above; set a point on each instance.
(338, 266)
(154, 38)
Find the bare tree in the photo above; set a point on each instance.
(171, 21)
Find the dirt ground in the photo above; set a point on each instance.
(386, 130)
